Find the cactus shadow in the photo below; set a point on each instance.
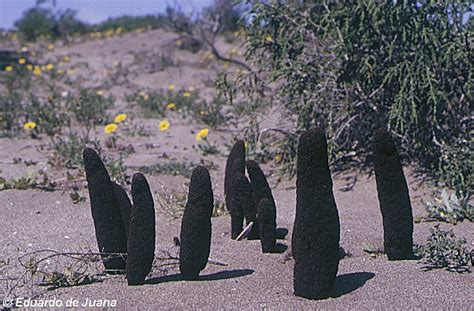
(347, 283)
(280, 248)
(281, 233)
(222, 275)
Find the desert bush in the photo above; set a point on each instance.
(35, 23)
(129, 23)
(10, 112)
(353, 67)
(449, 208)
(444, 250)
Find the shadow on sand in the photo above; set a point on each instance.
(348, 283)
(229, 274)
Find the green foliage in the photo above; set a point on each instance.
(450, 208)
(352, 67)
(174, 168)
(90, 108)
(35, 23)
(66, 151)
(129, 23)
(10, 112)
(444, 250)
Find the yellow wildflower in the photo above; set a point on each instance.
(29, 67)
(66, 59)
(179, 42)
(99, 93)
(110, 128)
(9, 69)
(171, 106)
(186, 94)
(278, 158)
(21, 61)
(49, 67)
(120, 118)
(50, 46)
(37, 71)
(191, 88)
(24, 49)
(164, 125)
(60, 71)
(171, 87)
(202, 134)
(29, 125)
(269, 39)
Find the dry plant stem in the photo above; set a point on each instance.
(71, 255)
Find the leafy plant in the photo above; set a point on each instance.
(352, 67)
(450, 208)
(169, 168)
(444, 250)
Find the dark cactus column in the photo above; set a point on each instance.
(141, 240)
(196, 225)
(237, 152)
(109, 227)
(394, 198)
(259, 183)
(243, 203)
(315, 240)
(124, 205)
(267, 225)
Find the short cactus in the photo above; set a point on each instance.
(141, 240)
(196, 228)
(267, 225)
(394, 198)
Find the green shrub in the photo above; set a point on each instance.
(35, 23)
(353, 67)
(444, 250)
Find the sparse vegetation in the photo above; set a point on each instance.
(444, 250)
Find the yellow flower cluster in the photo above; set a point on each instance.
(112, 127)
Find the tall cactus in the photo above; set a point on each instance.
(315, 240)
(106, 212)
(243, 202)
(394, 198)
(196, 225)
(141, 240)
(237, 152)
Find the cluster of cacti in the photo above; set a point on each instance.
(123, 228)
(195, 236)
(393, 197)
(243, 198)
(120, 227)
(315, 240)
